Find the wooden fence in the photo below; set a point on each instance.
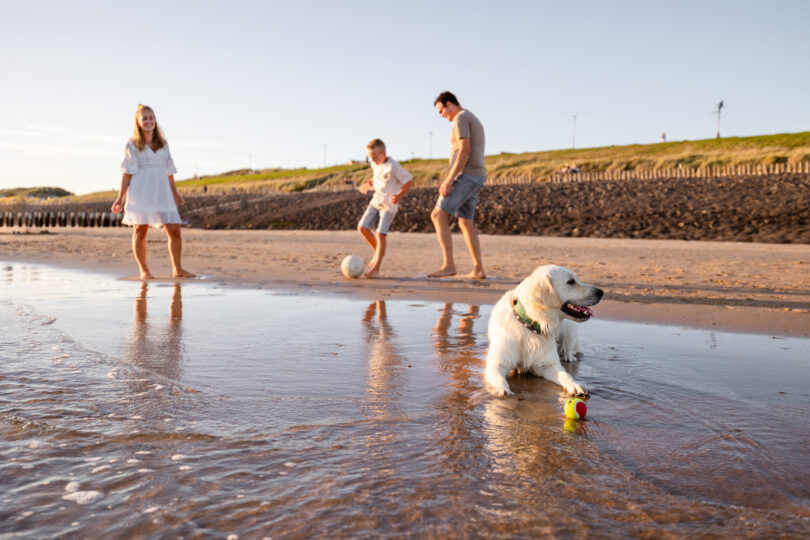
(715, 171)
(633, 174)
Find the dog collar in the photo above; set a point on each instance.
(520, 314)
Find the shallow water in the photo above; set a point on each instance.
(200, 410)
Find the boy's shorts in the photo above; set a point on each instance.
(462, 200)
(374, 217)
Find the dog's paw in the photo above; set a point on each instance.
(568, 357)
(504, 393)
(576, 389)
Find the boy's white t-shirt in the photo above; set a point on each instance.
(389, 177)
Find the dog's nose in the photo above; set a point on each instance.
(600, 293)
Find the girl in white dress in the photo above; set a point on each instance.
(147, 186)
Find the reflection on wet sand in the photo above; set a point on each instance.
(459, 428)
(384, 363)
(457, 353)
(158, 348)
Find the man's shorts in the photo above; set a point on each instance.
(462, 199)
(381, 219)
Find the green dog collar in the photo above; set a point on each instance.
(528, 322)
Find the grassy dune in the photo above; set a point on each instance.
(758, 150)
(37, 192)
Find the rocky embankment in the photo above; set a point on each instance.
(772, 208)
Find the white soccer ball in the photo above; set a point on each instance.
(352, 266)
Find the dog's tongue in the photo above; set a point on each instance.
(581, 309)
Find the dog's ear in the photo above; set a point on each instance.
(544, 295)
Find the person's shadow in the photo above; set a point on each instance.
(158, 348)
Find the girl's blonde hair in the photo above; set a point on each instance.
(158, 140)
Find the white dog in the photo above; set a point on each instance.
(530, 328)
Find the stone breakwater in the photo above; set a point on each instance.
(773, 209)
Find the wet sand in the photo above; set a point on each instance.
(745, 287)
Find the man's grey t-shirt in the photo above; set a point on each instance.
(467, 126)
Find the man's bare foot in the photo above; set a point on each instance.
(443, 272)
(146, 274)
(182, 273)
(476, 274)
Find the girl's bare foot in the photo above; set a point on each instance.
(372, 273)
(476, 274)
(146, 274)
(181, 273)
(444, 272)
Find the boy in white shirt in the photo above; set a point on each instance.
(390, 182)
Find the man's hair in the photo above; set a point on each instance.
(447, 97)
(376, 143)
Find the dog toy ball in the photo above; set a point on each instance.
(575, 408)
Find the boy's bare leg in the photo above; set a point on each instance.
(139, 250)
(441, 222)
(474, 247)
(176, 249)
(368, 235)
(379, 253)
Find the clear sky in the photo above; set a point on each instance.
(237, 84)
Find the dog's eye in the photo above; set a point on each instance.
(571, 281)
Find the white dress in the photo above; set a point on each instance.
(149, 198)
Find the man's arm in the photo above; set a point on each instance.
(461, 160)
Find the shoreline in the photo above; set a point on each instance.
(735, 287)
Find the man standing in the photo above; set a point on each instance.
(458, 193)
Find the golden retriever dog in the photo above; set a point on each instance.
(531, 328)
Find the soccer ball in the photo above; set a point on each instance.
(352, 266)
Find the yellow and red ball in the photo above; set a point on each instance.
(575, 408)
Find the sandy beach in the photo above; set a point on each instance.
(745, 287)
